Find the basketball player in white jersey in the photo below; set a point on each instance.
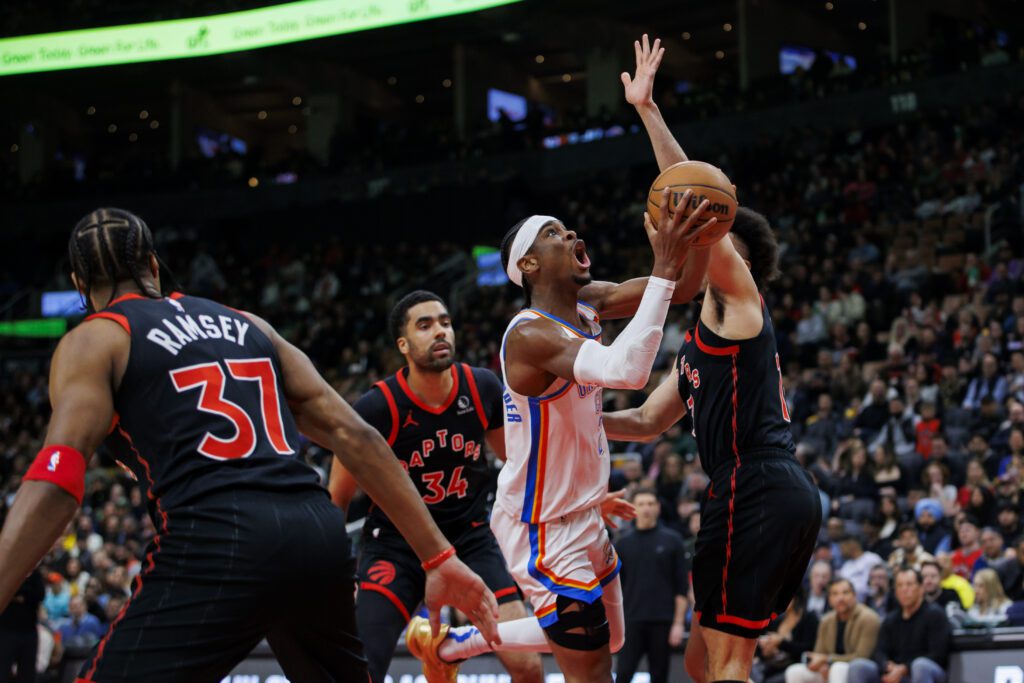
(547, 516)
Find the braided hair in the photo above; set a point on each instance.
(109, 246)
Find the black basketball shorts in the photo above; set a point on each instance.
(758, 531)
(388, 566)
(237, 568)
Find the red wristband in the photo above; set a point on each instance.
(60, 465)
(439, 559)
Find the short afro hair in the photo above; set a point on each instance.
(753, 230)
(400, 313)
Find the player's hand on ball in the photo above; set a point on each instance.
(674, 234)
(453, 583)
(616, 505)
(640, 88)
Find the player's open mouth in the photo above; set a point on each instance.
(579, 252)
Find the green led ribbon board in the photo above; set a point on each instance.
(218, 34)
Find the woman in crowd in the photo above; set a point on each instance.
(990, 601)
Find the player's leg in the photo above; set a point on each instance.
(379, 626)
(572, 556)
(523, 667)
(729, 657)
(390, 589)
(313, 630)
(696, 653)
(479, 550)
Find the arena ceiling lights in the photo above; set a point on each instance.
(218, 34)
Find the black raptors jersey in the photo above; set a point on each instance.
(441, 448)
(733, 392)
(201, 407)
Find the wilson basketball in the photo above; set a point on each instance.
(707, 182)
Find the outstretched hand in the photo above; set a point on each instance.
(615, 504)
(640, 88)
(453, 583)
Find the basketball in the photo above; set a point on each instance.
(707, 182)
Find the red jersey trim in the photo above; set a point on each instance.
(150, 557)
(126, 297)
(367, 586)
(175, 295)
(393, 407)
(714, 350)
(511, 590)
(419, 403)
(740, 621)
(116, 317)
(475, 393)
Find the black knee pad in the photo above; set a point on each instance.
(580, 626)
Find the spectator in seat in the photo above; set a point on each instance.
(931, 579)
(80, 629)
(822, 429)
(1008, 519)
(856, 492)
(937, 482)
(788, 637)
(934, 536)
(847, 632)
(951, 579)
(990, 603)
(994, 554)
(857, 565)
(913, 642)
(988, 383)
(969, 552)
(818, 588)
(880, 598)
(874, 413)
(898, 431)
(909, 552)
(889, 476)
(927, 427)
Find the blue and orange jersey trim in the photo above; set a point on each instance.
(547, 615)
(565, 324)
(578, 590)
(533, 498)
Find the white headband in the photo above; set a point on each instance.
(522, 243)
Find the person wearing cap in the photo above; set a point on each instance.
(934, 536)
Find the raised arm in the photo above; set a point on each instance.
(81, 393)
(662, 409)
(327, 419)
(620, 300)
(639, 91)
